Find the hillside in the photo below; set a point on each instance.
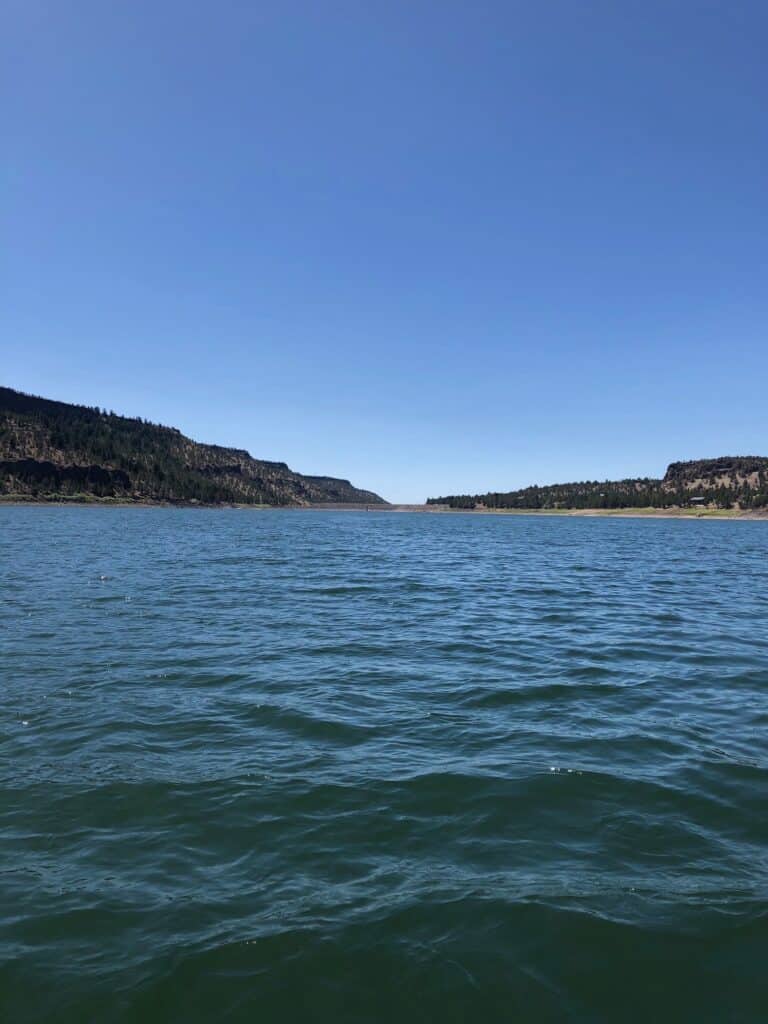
(54, 450)
(726, 482)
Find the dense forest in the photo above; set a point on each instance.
(726, 482)
(51, 450)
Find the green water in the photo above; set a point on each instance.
(335, 767)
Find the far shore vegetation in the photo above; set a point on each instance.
(56, 452)
(737, 483)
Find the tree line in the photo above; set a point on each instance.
(635, 493)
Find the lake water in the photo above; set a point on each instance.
(325, 767)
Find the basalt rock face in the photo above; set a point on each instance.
(730, 471)
(54, 450)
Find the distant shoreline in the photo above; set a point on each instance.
(19, 501)
(585, 513)
(619, 513)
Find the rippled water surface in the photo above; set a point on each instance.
(312, 766)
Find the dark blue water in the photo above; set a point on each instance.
(296, 766)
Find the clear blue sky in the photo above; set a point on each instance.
(432, 246)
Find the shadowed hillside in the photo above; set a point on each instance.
(52, 449)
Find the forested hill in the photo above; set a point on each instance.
(54, 450)
(727, 482)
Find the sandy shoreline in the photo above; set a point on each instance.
(595, 513)
(600, 513)
(592, 513)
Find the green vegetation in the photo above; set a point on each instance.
(53, 450)
(725, 483)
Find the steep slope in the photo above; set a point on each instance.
(53, 449)
(732, 472)
(726, 482)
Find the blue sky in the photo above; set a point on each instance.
(430, 246)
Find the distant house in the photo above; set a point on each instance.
(697, 502)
